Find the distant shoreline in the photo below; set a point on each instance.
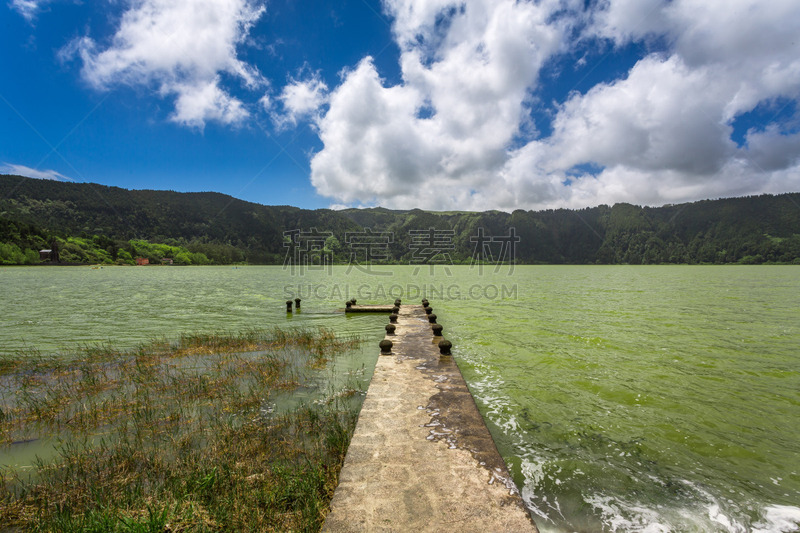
(109, 265)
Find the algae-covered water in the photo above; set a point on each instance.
(622, 398)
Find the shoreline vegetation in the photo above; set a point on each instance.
(374, 264)
(184, 435)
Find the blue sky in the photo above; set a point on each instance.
(437, 104)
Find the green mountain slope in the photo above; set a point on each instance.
(224, 229)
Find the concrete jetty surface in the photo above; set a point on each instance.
(421, 457)
(369, 309)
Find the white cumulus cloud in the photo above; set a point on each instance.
(440, 137)
(301, 99)
(181, 47)
(664, 133)
(457, 131)
(663, 116)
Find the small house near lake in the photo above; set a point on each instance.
(142, 261)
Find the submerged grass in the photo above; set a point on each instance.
(174, 436)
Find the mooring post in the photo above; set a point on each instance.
(297, 303)
(390, 329)
(397, 302)
(393, 318)
(288, 306)
(432, 318)
(444, 347)
(437, 330)
(428, 310)
(386, 347)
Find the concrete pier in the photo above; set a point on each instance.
(369, 309)
(421, 457)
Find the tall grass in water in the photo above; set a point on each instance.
(174, 436)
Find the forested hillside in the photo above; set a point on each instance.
(90, 223)
(223, 228)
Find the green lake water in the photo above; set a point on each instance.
(658, 398)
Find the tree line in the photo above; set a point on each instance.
(91, 223)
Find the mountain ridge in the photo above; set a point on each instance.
(752, 229)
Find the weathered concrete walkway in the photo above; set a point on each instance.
(421, 458)
(368, 309)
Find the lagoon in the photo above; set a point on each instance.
(623, 398)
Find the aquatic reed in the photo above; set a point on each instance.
(175, 435)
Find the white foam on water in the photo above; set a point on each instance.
(615, 513)
(511, 425)
(778, 519)
(716, 515)
(618, 515)
(533, 471)
(621, 516)
(547, 528)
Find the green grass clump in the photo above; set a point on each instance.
(174, 436)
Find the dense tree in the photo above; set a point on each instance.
(95, 223)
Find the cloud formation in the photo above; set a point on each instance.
(28, 8)
(664, 133)
(300, 100)
(473, 123)
(182, 48)
(439, 138)
(22, 170)
(459, 130)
